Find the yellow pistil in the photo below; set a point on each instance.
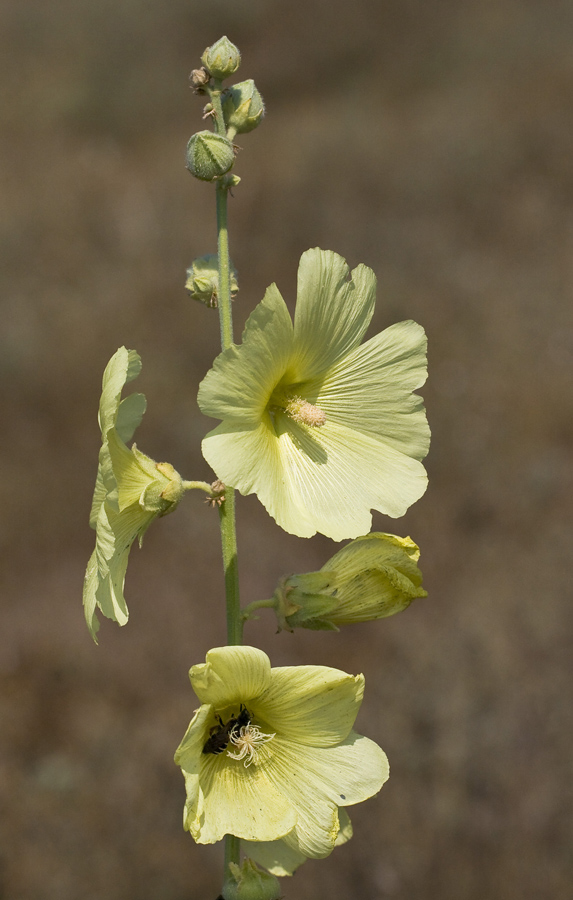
(248, 739)
(305, 413)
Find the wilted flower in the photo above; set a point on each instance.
(321, 428)
(370, 578)
(131, 491)
(271, 753)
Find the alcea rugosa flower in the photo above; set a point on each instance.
(131, 491)
(321, 428)
(271, 753)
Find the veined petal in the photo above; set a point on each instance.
(316, 815)
(254, 462)
(243, 377)
(123, 367)
(346, 774)
(240, 801)
(371, 389)
(131, 479)
(332, 312)
(231, 675)
(313, 705)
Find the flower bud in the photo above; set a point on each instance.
(248, 882)
(209, 155)
(370, 578)
(243, 107)
(203, 280)
(222, 58)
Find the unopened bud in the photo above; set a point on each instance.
(243, 107)
(222, 59)
(248, 882)
(209, 155)
(370, 578)
(203, 280)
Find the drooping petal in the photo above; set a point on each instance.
(332, 312)
(123, 367)
(231, 675)
(313, 705)
(240, 801)
(243, 377)
(320, 780)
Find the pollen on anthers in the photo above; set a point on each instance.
(248, 739)
(305, 413)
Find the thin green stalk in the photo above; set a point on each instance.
(227, 508)
(232, 852)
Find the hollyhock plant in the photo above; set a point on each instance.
(271, 752)
(321, 427)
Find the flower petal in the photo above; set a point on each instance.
(243, 377)
(231, 675)
(277, 857)
(254, 462)
(313, 705)
(371, 390)
(240, 801)
(320, 780)
(332, 312)
(123, 367)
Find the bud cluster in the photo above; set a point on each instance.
(237, 109)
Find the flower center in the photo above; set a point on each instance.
(304, 413)
(248, 739)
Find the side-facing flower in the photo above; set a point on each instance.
(131, 491)
(271, 754)
(320, 427)
(370, 578)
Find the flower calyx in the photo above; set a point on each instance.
(248, 882)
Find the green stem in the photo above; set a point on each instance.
(198, 486)
(232, 852)
(247, 612)
(225, 312)
(227, 508)
(229, 545)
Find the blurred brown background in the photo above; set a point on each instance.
(432, 140)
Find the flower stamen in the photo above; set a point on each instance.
(249, 740)
(305, 413)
